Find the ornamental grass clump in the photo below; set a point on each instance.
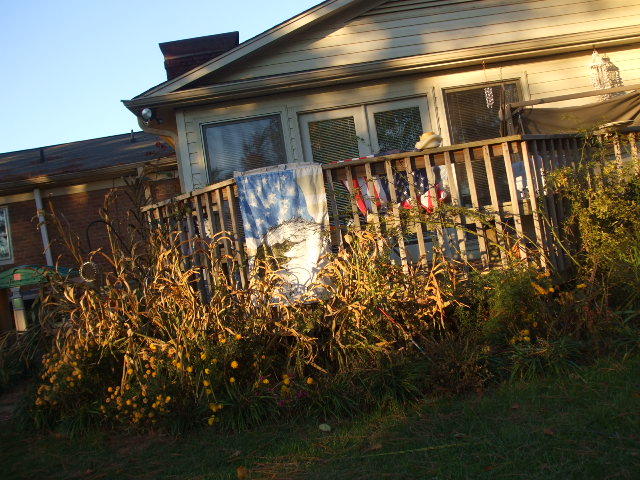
(139, 346)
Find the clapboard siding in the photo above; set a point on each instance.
(539, 78)
(408, 28)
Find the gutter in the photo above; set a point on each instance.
(63, 179)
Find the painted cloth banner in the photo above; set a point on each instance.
(285, 218)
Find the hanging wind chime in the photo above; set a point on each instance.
(488, 91)
(604, 74)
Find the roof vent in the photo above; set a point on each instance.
(181, 56)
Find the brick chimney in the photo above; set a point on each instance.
(180, 56)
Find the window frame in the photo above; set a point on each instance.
(205, 125)
(10, 260)
(304, 119)
(472, 86)
(364, 120)
(389, 106)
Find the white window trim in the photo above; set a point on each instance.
(397, 105)
(520, 78)
(283, 123)
(363, 115)
(364, 142)
(10, 260)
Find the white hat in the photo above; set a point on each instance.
(429, 140)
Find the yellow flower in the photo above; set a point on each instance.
(223, 340)
(234, 364)
(203, 356)
(110, 389)
(581, 286)
(286, 381)
(189, 369)
(130, 371)
(232, 380)
(167, 400)
(207, 371)
(211, 420)
(206, 383)
(128, 402)
(265, 381)
(179, 364)
(209, 391)
(238, 337)
(310, 381)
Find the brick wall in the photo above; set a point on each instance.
(76, 212)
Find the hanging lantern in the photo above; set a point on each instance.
(604, 74)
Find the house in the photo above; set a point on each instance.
(349, 79)
(72, 179)
(332, 82)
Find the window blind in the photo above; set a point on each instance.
(472, 117)
(243, 145)
(398, 129)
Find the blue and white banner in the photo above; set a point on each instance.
(285, 218)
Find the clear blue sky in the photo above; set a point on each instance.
(66, 64)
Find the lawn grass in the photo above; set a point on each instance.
(583, 426)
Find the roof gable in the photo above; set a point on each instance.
(323, 11)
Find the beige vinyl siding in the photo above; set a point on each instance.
(414, 27)
(538, 78)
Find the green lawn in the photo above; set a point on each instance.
(586, 426)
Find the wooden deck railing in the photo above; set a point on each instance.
(502, 179)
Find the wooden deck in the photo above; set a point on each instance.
(506, 210)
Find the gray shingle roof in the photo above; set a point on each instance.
(82, 156)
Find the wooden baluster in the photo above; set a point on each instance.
(550, 202)
(495, 205)
(352, 198)
(333, 206)
(457, 201)
(480, 233)
(429, 164)
(402, 249)
(617, 149)
(516, 211)
(375, 216)
(203, 257)
(558, 202)
(241, 255)
(217, 194)
(414, 195)
(533, 187)
(634, 151)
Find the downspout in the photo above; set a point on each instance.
(172, 138)
(42, 225)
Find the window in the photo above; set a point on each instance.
(6, 252)
(340, 134)
(472, 113)
(243, 145)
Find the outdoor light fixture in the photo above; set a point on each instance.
(146, 114)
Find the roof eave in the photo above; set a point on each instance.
(384, 68)
(66, 179)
